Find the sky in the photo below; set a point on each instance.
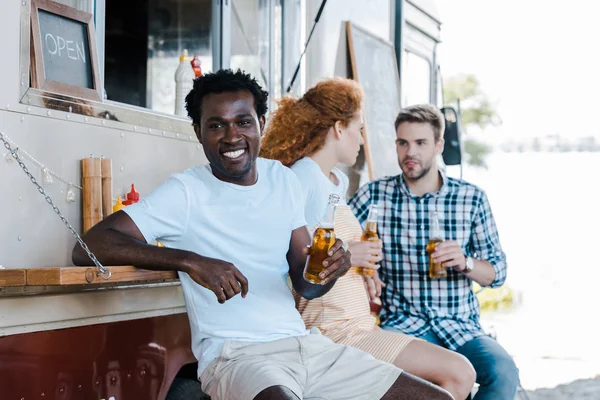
(539, 60)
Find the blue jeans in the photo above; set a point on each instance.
(497, 374)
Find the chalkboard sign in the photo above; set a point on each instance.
(64, 58)
(373, 62)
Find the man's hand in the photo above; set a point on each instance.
(373, 284)
(221, 277)
(338, 262)
(450, 254)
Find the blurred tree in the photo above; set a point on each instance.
(477, 151)
(476, 110)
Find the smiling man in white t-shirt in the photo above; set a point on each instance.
(234, 230)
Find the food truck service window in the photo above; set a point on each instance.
(139, 44)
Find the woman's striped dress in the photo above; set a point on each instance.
(343, 314)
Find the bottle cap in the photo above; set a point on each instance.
(184, 55)
(334, 198)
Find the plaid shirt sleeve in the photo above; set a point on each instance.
(486, 241)
(359, 203)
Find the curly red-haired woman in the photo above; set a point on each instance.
(311, 135)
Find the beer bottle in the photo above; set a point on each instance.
(323, 240)
(369, 235)
(436, 270)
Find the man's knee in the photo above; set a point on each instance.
(489, 358)
(501, 374)
(506, 369)
(276, 393)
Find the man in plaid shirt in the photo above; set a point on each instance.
(443, 311)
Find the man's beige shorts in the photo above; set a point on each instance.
(312, 366)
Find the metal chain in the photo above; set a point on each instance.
(40, 165)
(104, 273)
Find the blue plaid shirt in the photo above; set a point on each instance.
(413, 302)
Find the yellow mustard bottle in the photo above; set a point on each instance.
(118, 205)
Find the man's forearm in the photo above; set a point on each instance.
(483, 273)
(112, 247)
(306, 289)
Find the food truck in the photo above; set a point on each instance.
(87, 108)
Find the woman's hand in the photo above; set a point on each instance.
(366, 254)
(373, 285)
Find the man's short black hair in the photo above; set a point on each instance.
(224, 80)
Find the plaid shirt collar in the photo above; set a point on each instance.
(401, 183)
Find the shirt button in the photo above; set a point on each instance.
(422, 226)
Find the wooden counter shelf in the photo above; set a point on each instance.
(13, 277)
(67, 276)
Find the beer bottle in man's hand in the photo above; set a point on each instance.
(369, 235)
(436, 270)
(323, 239)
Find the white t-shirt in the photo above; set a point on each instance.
(248, 226)
(317, 187)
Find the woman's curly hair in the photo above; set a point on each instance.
(299, 127)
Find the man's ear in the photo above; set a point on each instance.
(197, 129)
(439, 146)
(262, 120)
